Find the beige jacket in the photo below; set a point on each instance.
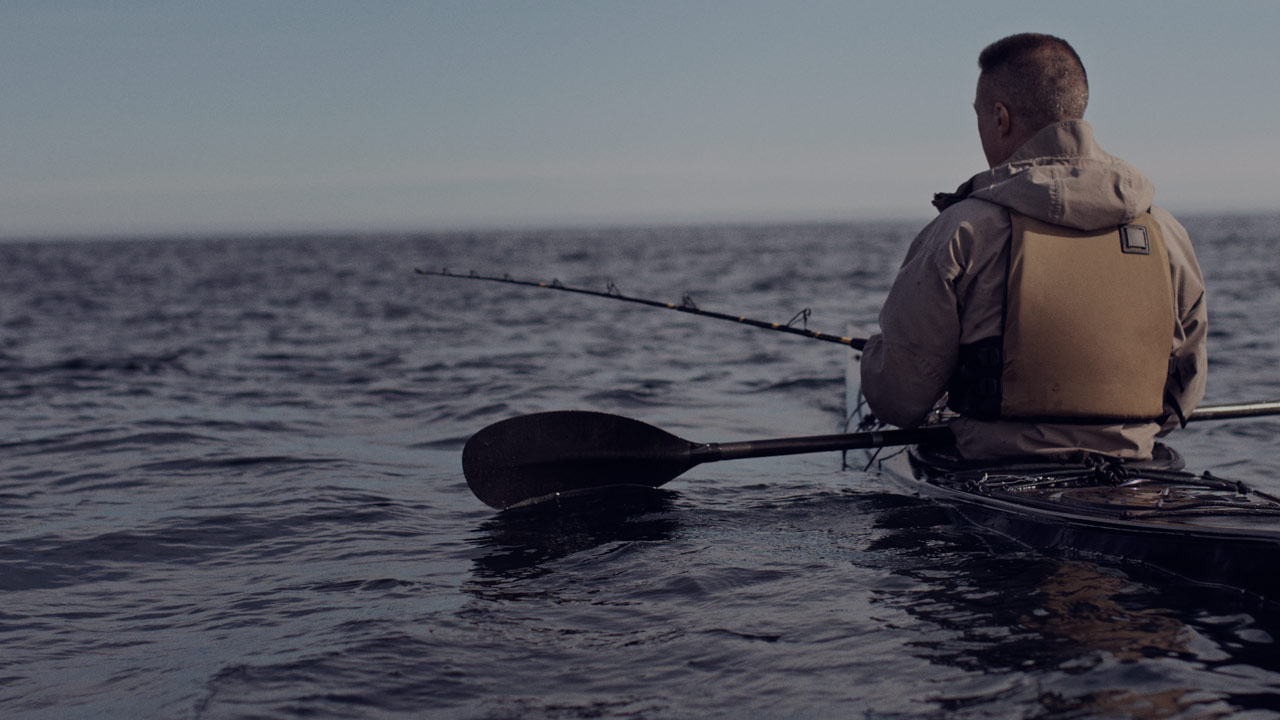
(950, 291)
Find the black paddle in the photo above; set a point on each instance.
(534, 457)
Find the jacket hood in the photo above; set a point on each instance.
(1062, 177)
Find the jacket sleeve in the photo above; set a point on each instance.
(907, 366)
(1190, 364)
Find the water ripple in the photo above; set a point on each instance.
(231, 488)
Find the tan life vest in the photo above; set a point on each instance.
(1089, 324)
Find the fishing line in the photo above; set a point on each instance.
(686, 305)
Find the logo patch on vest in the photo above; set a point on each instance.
(1133, 240)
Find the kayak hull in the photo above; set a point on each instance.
(1204, 529)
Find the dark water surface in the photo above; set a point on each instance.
(230, 486)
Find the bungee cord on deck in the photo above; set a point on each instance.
(686, 305)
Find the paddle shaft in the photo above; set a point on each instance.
(772, 447)
(712, 452)
(1238, 410)
(1207, 412)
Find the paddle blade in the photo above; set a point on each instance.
(534, 456)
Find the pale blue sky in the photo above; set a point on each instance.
(183, 117)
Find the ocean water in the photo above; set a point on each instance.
(230, 486)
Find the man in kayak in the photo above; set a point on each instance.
(1050, 302)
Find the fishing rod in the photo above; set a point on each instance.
(686, 305)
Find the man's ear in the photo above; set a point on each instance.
(1004, 122)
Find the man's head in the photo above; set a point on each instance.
(1028, 81)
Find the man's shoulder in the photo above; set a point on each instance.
(970, 216)
(971, 209)
(1164, 217)
(1169, 225)
(960, 235)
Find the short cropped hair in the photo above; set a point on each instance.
(1041, 75)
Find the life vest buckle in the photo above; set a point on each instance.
(1134, 240)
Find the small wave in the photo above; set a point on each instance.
(742, 635)
(453, 443)
(75, 443)
(483, 411)
(380, 584)
(146, 364)
(224, 425)
(203, 465)
(824, 384)
(643, 393)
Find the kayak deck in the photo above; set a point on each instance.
(1157, 491)
(1203, 528)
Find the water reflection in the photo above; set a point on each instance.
(1107, 614)
(1094, 641)
(1079, 602)
(523, 542)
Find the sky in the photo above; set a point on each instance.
(179, 118)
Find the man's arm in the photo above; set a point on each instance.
(1190, 362)
(907, 366)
